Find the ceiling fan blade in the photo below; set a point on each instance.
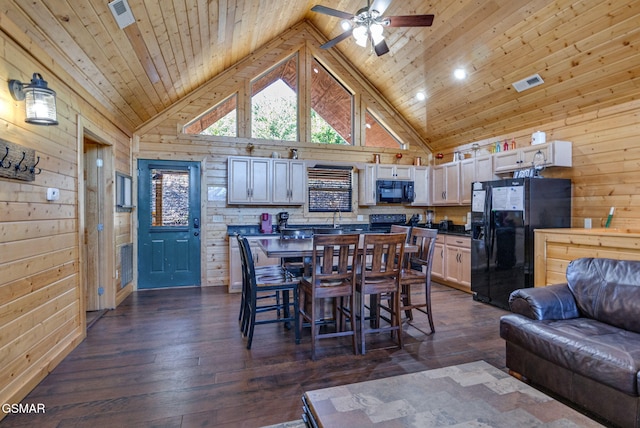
(332, 12)
(331, 43)
(381, 48)
(380, 5)
(410, 21)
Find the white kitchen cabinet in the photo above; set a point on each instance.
(437, 265)
(445, 187)
(457, 264)
(249, 180)
(289, 182)
(472, 170)
(259, 259)
(394, 172)
(367, 185)
(555, 153)
(467, 176)
(421, 186)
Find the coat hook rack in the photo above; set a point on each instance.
(18, 162)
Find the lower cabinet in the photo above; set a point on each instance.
(458, 261)
(452, 261)
(437, 265)
(259, 259)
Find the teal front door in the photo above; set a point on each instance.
(168, 223)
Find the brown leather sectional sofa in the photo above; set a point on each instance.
(581, 340)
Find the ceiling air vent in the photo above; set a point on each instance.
(122, 13)
(528, 83)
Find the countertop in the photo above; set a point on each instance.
(254, 230)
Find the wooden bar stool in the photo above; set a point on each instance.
(379, 277)
(332, 277)
(417, 271)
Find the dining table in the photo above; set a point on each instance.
(285, 248)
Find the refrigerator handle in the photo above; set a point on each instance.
(488, 223)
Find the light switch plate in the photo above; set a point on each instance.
(53, 194)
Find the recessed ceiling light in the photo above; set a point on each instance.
(459, 73)
(420, 96)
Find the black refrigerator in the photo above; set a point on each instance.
(504, 214)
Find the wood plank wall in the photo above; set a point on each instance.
(606, 164)
(41, 290)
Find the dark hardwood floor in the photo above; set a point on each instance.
(175, 358)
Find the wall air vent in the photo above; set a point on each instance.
(122, 13)
(528, 83)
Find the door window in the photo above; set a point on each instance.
(169, 198)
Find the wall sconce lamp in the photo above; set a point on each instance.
(40, 101)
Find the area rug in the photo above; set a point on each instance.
(467, 395)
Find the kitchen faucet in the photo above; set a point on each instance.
(336, 225)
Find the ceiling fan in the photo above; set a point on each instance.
(367, 24)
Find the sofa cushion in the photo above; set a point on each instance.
(607, 290)
(596, 350)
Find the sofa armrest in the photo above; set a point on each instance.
(554, 302)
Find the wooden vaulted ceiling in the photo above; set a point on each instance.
(587, 52)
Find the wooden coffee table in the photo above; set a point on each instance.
(473, 394)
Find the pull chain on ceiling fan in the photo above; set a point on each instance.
(368, 23)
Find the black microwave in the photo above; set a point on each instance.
(394, 192)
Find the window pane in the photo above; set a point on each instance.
(376, 135)
(221, 120)
(274, 103)
(331, 108)
(169, 198)
(329, 189)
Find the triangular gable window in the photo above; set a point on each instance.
(377, 135)
(274, 102)
(221, 120)
(331, 108)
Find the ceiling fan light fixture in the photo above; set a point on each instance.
(346, 25)
(360, 34)
(376, 33)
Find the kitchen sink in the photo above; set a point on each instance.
(328, 230)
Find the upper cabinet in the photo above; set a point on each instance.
(472, 170)
(394, 172)
(446, 179)
(367, 185)
(263, 181)
(249, 180)
(421, 186)
(554, 153)
(289, 182)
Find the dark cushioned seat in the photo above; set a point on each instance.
(581, 339)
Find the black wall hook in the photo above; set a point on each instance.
(33, 168)
(24, 154)
(8, 162)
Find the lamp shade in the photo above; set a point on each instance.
(360, 33)
(39, 100)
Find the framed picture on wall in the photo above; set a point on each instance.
(123, 192)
